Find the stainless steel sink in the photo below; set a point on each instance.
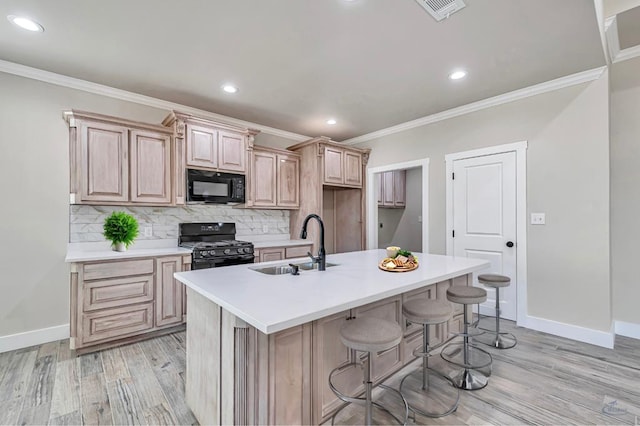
(308, 266)
(286, 269)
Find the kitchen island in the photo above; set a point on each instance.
(260, 347)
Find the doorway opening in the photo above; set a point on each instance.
(397, 206)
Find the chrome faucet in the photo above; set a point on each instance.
(321, 259)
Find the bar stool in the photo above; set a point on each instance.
(418, 387)
(473, 357)
(502, 340)
(370, 335)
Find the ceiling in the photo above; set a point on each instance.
(629, 28)
(369, 64)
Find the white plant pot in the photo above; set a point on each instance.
(119, 247)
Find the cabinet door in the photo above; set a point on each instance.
(387, 199)
(399, 188)
(380, 179)
(333, 168)
(168, 291)
(104, 162)
(290, 367)
(264, 179)
(386, 362)
(352, 169)
(150, 167)
(288, 190)
(271, 254)
(202, 146)
(330, 353)
(232, 152)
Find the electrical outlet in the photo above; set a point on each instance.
(420, 219)
(265, 229)
(538, 219)
(380, 225)
(148, 231)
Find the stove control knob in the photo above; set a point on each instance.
(212, 252)
(204, 253)
(227, 251)
(241, 250)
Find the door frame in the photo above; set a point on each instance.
(372, 200)
(520, 148)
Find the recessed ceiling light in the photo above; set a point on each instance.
(457, 75)
(25, 23)
(331, 121)
(230, 88)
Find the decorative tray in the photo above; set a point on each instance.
(404, 268)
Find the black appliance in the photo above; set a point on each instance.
(214, 245)
(214, 187)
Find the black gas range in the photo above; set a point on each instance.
(214, 244)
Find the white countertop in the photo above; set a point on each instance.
(84, 252)
(273, 303)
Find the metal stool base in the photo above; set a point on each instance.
(362, 400)
(435, 393)
(468, 379)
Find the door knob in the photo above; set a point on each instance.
(509, 243)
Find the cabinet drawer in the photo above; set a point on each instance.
(117, 292)
(114, 323)
(120, 268)
(300, 251)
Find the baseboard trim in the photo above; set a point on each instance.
(627, 329)
(573, 332)
(33, 337)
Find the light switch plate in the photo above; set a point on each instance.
(538, 218)
(265, 229)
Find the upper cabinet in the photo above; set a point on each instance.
(274, 179)
(200, 143)
(392, 189)
(116, 161)
(342, 167)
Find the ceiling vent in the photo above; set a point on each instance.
(441, 9)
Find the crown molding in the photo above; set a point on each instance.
(548, 86)
(628, 53)
(111, 92)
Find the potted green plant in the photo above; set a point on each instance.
(121, 229)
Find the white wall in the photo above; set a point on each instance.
(567, 177)
(625, 195)
(34, 177)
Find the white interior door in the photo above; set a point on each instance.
(484, 220)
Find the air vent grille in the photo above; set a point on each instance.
(441, 9)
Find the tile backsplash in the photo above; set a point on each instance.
(85, 222)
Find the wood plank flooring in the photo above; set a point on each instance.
(543, 380)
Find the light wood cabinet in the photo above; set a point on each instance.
(169, 291)
(392, 189)
(270, 254)
(121, 300)
(342, 167)
(117, 161)
(232, 151)
(212, 148)
(274, 179)
(104, 164)
(332, 185)
(202, 146)
(288, 181)
(150, 167)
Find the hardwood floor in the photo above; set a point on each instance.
(543, 380)
(140, 383)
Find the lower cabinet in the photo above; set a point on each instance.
(270, 254)
(122, 299)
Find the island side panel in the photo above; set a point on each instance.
(203, 361)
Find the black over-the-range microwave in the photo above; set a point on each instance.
(214, 187)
